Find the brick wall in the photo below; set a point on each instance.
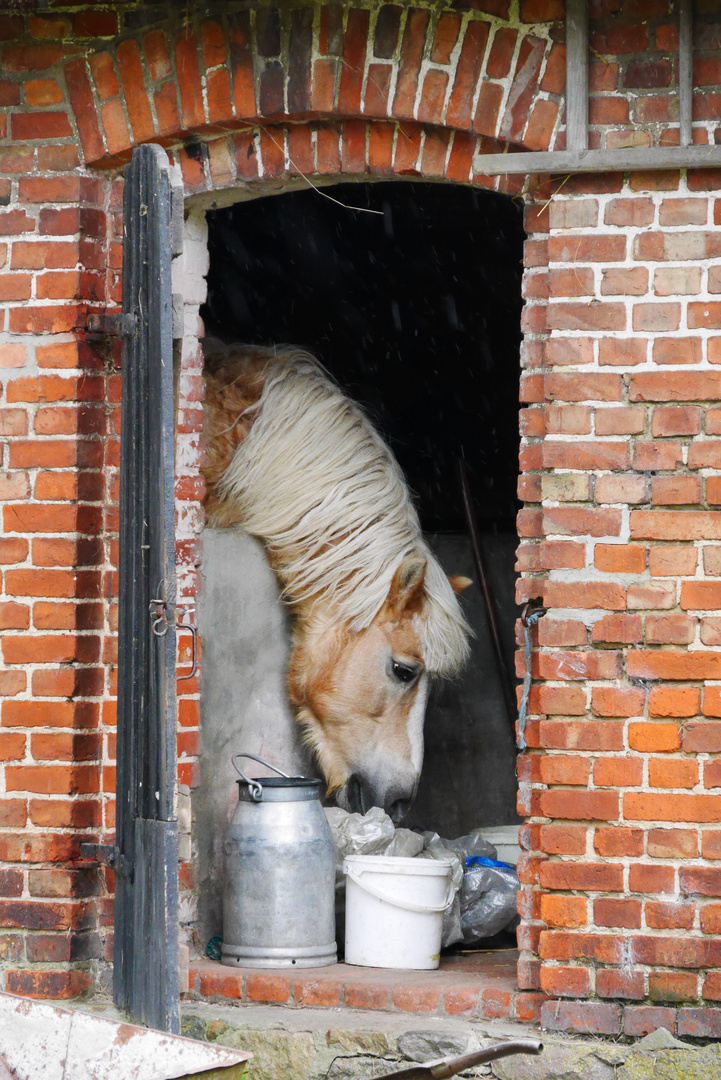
(621, 888)
(622, 880)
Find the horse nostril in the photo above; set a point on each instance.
(353, 795)
(360, 794)
(398, 810)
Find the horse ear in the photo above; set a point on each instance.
(459, 583)
(406, 592)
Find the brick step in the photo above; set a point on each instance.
(481, 985)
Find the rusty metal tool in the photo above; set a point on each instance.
(440, 1070)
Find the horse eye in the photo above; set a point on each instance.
(405, 673)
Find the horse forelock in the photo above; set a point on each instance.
(319, 486)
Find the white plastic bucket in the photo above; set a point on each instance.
(394, 910)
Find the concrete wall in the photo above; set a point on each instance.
(245, 639)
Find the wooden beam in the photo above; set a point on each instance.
(588, 161)
(685, 69)
(576, 75)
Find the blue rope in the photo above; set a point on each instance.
(527, 678)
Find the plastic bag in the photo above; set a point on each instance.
(488, 898)
(475, 906)
(372, 833)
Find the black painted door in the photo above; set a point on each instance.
(146, 979)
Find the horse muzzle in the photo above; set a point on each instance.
(360, 793)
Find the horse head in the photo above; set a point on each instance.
(361, 696)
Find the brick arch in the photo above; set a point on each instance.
(332, 151)
(469, 73)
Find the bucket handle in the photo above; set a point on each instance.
(406, 905)
(254, 787)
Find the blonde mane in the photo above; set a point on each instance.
(318, 485)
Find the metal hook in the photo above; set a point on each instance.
(159, 625)
(193, 631)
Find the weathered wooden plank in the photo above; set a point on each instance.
(587, 161)
(155, 982)
(146, 777)
(685, 70)
(576, 75)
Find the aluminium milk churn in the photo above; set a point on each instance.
(279, 887)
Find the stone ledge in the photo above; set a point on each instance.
(481, 986)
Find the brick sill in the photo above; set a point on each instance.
(474, 986)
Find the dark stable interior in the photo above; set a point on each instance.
(415, 311)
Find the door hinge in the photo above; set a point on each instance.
(108, 855)
(118, 325)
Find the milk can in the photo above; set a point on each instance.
(279, 890)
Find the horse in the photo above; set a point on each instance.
(290, 459)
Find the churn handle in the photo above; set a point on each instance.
(256, 789)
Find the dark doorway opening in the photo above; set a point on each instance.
(415, 310)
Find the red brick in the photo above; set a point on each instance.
(675, 420)
(416, 998)
(629, 212)
(653, 455)
(501, 54)
(666, 807)
(410, 62)
(705, 454)
(589, 877)
(620, 558)
(611, 983)
(643, 878)
(700, 595)
(580, 805)
(657, 317)
(188, 74)
(366, 996)
(563, 839)
(670, 630)
(565, 981)
(580, 735)
(676, 350)
(625, 629)
(466, 76)
(670, 951)
(675, 525)
(460, 1001)
(643, 1019)
(268, 988)
(672, 986)
(611, 911)
(53, 779)
(700, 1023)
(95, 24)
(618, 841)
(712, 701)
(40, 125)
(674, 386)
(711, 919)
(353, 67)
(581, 1017)
(669, 915)
(672, 561)
(618, 772)
(566, 911)
(622, 282)
(704, 315)
(57, 985)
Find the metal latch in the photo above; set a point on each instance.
(532, 612)
(108, 855)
